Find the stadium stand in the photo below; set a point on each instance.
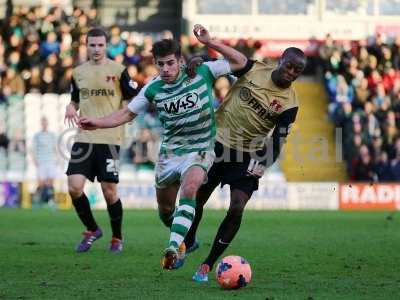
(362, 81)
(311, 153)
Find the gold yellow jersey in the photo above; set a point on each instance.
(253, 108)
(100, 90)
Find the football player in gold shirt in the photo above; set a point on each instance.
(98, 88)
(252, 124)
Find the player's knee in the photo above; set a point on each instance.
(190, 190)
(236, 212)
(165, 209)
(75, 191)
(110, 195)
(238, 203)
(236, 209)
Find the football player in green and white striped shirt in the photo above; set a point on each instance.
(184, 106)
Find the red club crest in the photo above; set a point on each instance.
(275, 105)
(111, 78)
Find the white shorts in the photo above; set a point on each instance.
(171, 169)
(46, 171)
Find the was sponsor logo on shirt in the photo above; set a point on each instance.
(182, 104)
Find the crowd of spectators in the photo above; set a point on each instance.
(40, 47)
(363, 83)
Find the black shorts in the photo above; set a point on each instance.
(234, 168)
(95, 160)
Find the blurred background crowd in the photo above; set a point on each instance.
(40, 47)
(363, 83)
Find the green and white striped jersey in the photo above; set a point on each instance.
(184, 108)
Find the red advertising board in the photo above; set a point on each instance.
(275, 48)
(364, 196)
(390, 30)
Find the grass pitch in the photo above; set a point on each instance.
(293, 255)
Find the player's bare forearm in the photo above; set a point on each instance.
(236, 59)
(116, 119)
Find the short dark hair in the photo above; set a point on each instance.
(294, 51)
(96, 31)
(166, 47)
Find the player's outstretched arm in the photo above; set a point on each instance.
(236, 59)
(115, 119)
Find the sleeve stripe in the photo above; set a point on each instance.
(74, 91)
(245, 69)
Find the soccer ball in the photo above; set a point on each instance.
(233, 272)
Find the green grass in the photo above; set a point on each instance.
(294, 255)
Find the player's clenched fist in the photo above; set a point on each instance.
(201, 34)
